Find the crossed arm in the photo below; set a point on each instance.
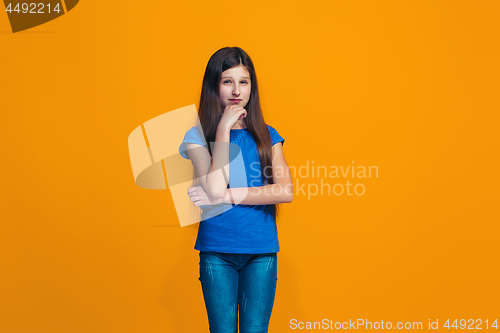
(213, 189)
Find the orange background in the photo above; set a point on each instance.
(408, 86)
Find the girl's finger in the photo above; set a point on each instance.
(193, 189)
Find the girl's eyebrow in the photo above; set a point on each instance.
(230, 77)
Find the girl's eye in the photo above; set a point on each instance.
(244, 82)
(226, 81)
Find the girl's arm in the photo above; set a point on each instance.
(213, 173)
(279, 192)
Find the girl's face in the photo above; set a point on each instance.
(235, 86)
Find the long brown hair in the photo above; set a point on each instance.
(210, 109)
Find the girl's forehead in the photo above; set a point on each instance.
(239, 70)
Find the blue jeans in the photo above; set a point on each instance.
(229, 279)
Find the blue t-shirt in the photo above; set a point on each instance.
(237, 228)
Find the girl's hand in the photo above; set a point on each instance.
(231, 114)
(200, 198)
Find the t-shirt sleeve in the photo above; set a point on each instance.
(192, 136)
(275, 137)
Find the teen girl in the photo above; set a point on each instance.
(238, 246)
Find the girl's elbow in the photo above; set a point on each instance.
(216, 190)
(218, 193)
(289, 193)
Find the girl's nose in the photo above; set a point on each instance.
(236, 90)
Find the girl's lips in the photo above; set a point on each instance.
(235, 100)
